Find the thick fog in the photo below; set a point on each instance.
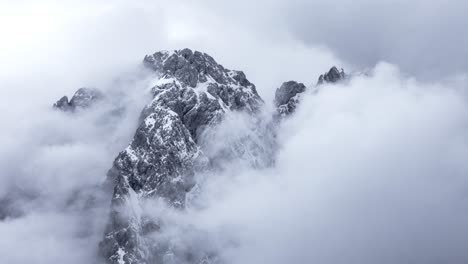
(369, 171)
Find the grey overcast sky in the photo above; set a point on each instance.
(426, 38)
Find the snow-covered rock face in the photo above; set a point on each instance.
(83, 98)
(193, 93)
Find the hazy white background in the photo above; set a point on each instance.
(371, 172)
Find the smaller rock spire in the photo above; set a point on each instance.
(286, 96)
(332, 76)
(83, 98)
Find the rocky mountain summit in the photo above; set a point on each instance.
(192, 95)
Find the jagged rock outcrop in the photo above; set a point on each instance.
(83, 98)
(332, 76)
(286, 97)
(194, 92)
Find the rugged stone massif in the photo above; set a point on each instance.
(193, 95)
